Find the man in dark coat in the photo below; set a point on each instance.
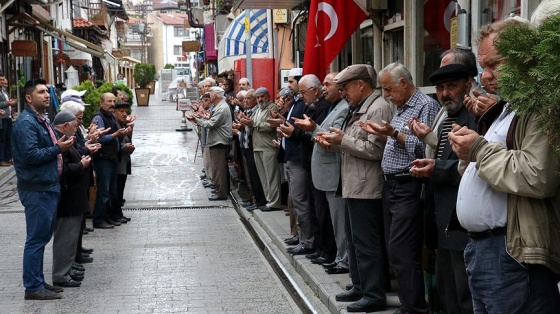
(73, 204)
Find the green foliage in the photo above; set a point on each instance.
(529, 77)
(93, 97)
(169, 66)
(144, 73)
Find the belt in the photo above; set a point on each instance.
(487, 233)
(401, 177)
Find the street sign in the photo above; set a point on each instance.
(184, 104)
(191, 46)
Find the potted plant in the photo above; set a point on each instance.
(143, 75)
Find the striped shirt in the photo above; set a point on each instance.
(397, 157)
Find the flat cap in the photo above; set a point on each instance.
(262, 90)
(450, 72)
(354, 72)
(63, 116)
(295, 72)
(121, 104)
(72, 92)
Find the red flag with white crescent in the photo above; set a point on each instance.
(330, 25)
(437, 15)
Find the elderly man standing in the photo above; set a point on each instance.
(264, 150)
(402, 203)
(38, 164)
(105, 162)
(325, 173)
(362, 182)
(452, 84)
(218, 126)
(509, 202)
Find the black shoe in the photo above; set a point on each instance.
(84, 260)
(337, 270)
(112, 222)
(84, 232)
(246, 204)
(42, 295)
(76, 277)
(349, 296)
(68, 284)
(122, 202)
(300, 250)
(217, 198)
(364, 305)
(320, 260)
(127, 218)
(52, 288)
(88, 229)
(293, 240)
(86, 251)
(79, 267)
(76, 272)
(123, 221)
(349, 287)
(268, 209)
(103, 225)
(313, 255)
(329, 265)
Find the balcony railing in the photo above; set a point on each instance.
(98, 14)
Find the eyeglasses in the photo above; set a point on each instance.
(302, 92)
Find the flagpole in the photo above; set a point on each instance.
(248, 45)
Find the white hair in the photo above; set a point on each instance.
(241, 93)
(211, 80)
(311, 80)
(545, 10)
(397, 71)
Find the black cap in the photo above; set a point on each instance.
(450, 72)
(121, 104)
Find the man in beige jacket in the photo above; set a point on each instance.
(362, 184)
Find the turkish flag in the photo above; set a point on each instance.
(437, 15)
(330, 25)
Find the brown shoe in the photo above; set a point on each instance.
(5, 164)
(42, 295)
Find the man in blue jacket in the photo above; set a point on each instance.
(38, 164)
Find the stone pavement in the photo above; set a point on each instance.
(180, 253)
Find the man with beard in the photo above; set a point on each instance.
(38, 164)
(452, 84)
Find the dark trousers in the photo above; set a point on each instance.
(324, 239)
(452, 282)
(6, 139)
(364, 231)
(106, 172)
(254, 180)
(403, 215)
(219, 170)
(116, 209)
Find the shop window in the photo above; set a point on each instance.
(178, 50)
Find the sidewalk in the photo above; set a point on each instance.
(178, 244)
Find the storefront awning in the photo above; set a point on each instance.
(266, 4)
(72, 40)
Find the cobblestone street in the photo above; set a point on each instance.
(180, 253)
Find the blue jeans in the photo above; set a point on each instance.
(40, 217)
(106, 178)
(498, 283)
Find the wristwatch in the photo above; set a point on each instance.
(395, 134)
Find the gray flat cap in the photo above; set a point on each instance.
(63, 116)
(353, 72)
